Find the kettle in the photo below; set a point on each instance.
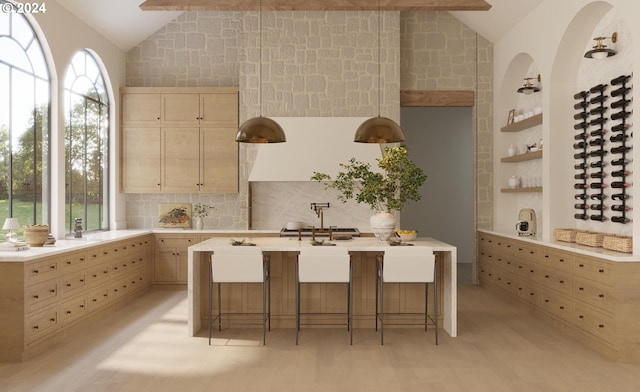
(526, 222)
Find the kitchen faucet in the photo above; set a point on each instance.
(318, 208)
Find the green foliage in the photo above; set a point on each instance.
(390, 190)
(201, 210)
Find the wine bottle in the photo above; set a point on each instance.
(619, 196)
(620, 114)
(598, 99)
(581, 216)
(620, 149)
(580, 166)
(580, 136)
(580, 116)
(620, 184)
(598, 88)
(620, 103)
(598, 153)
(620, 91)
(599, 218)
(579, 186)
(580, 155)
(618, 138)
(599, 174)
(597, 207)
(620, 173)
(597, 185)
(596, 142)
(598, 196)
(581, 176)
(620, 207)
(582, 125)
(598, 132)
(580, 206)
(600, 110)
(581, 105)
(580, 196)
(619, 219)
(597, 164)
(597, 121)
(579, 145)
(620, 162)
(620, 79)
(620, 127)
(580, 95)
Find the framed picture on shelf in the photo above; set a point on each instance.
(174, 215)
(512, 115)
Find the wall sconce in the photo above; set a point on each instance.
(528, 87)
(600, 50)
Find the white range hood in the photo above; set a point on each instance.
(314, 144)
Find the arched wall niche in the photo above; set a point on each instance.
(571, 73)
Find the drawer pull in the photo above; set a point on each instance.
(105, 295)
(562, 282)
(52, 290)
(601, 270)
(546, 256)
(95, 300)
(600, 325)
(82, 280)
(562, 260)
(519, 249)
(82, 259)
(546, 276)
(36, 296)
(508, 246)
(36, 271)
(68, 284)
(68, 263)
(52, 266)
(581, 288)
(52, 320)
(509, 283)
(546, 301)
(532, 271)
(95, 276)
(581, 316)
(35, 327)
(81, 306)
(581, 265)
(520, 266)
(601, 295)
(68, 312)
(105, 253)
(561, 307)
(532, 252)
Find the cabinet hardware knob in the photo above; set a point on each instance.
(601, 270)
(82, 259)
(581, 265)
(562, 281)
(52, 290)
(36, 271)
(562, 260)
(36, 296)
(68, 312)
(546, 276)
(546, 256)
(600, 325)
(68, 262)
(561, 307)
(35, 327)
(95, 300)
(52, 320)
(581, 316)
(68, 284)
(82, 280)
(581, 288)
(81, 306)
(546, 301)
(601, 295)
(52, 266)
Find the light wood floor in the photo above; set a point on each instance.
(144, 347)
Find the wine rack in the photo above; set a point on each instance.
(602, 157)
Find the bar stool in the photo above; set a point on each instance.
(240, 264)
(324, 264)
(407, 264)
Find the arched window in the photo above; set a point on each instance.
(24, 122)
(86, 144)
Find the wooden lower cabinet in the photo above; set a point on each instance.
(170, 258)
(592, 299)
(42, 298)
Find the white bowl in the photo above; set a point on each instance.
(293, 225)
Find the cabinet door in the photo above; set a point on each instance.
(181, 109)
(165, 268)
(180, 159)
(141, 109)
(219, 152)
(217, 109)
(140, 159)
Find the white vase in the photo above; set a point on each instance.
(514, 182)
(382, 225)
(198, 223)
(513, 150)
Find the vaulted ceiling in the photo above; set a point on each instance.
(126, 24)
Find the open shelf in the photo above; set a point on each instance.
(523, 157)
(524, 124)
(521, 190)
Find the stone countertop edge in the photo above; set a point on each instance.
(602, 253)
(102, 238)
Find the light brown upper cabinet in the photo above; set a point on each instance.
(179, 140)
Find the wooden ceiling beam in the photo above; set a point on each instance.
(315, 5)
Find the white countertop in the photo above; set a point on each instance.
(284, 244)
(573, 247)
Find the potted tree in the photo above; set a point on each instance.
(390, 190)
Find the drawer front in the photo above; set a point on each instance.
(486, 273)
(556, 259)
(165, 244)
(593, 322)
(594, 269)
(529, 271)
(120, 289)
(97, 275)
(557, 305)
(72, 310)
(118, 268)
(594, 294)
(98, 253)
(98, 298)
(528, 293)
(72, 283)
(506, 281)
(40, 324)
(73, 262)
(41, 295)
(138, 281)
(42, 270)
(557, 280)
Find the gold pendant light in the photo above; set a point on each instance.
(260, 129)
(379, 129)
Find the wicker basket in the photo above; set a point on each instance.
(589, 238)
(619, 243)
(36, 235)
(565, 235)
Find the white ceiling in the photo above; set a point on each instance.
(126, 25)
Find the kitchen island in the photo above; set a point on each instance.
(283, 253)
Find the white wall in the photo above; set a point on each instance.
(63, 34)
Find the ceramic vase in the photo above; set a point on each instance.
(199, 225)
(382, 225)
